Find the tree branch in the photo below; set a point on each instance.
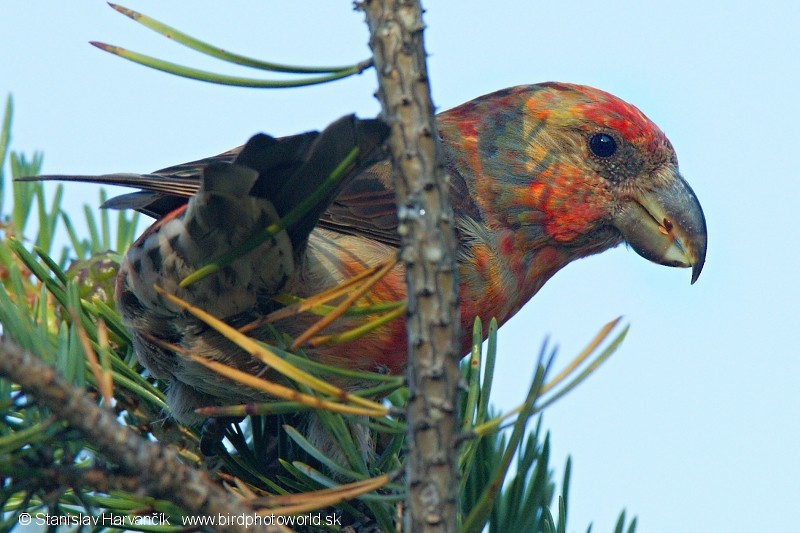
(159, 472)
(429, 253)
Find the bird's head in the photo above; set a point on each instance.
(579, 169)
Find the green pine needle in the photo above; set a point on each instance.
(219, 53)
(222, 79)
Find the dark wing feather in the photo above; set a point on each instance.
(169, 188)
(294, 167)
(151, 182)
(366, 206)
(192, 170)
(152, 204)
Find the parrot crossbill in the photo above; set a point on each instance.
(539, 176)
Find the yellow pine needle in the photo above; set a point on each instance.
(105, 364)
(236, 410)
(352, 334)
(481, 430)
(248, 492)
(345, 305)
(590, 368)
(356, 488)
(581, 357)
(322, 309)
(489, 426)
(102, 380)
(285, 393)
(309, 501)
(309, 303)
(244, 489)
(269, 358)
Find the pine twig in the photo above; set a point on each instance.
(160, 474)
(428, 252)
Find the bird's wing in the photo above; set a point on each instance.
(292, 169)
(286, 164)
(366, 206)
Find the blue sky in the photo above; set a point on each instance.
(693, 424)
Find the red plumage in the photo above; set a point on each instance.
(540, 175)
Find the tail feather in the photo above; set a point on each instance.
(151, 182)
(289, 169)
(152, 204)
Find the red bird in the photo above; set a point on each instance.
(540, 175)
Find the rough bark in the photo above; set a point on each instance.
(157, 469)
(429, 253)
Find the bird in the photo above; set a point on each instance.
(539, 176)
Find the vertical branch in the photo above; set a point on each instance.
(428, 252)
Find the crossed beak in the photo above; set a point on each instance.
(665, 224)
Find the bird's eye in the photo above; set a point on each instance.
(602, 145)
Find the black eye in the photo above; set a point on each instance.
(602, 145)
